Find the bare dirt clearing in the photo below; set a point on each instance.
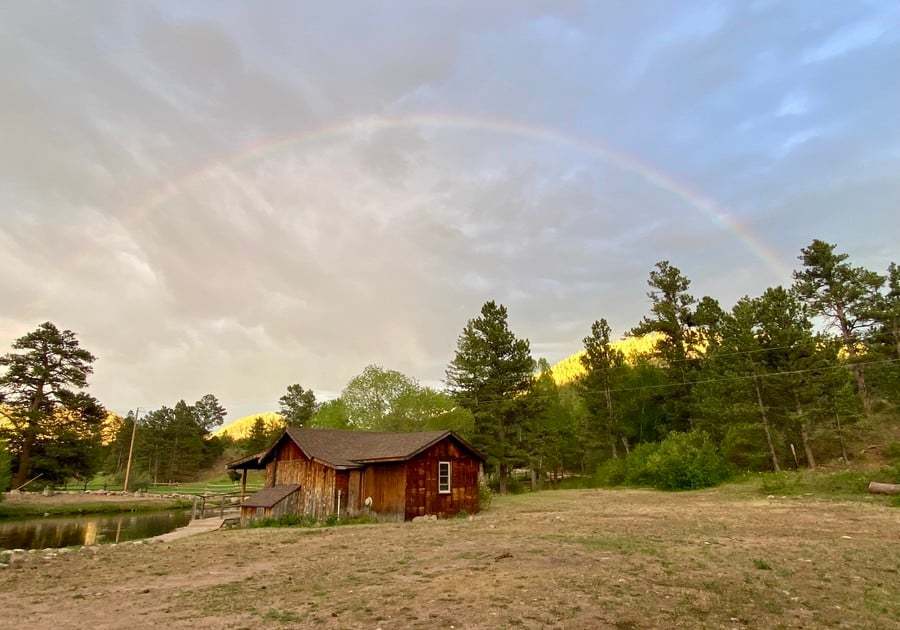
(580, 559)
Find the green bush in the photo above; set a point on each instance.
(744, 447)
(485, 496)
(892, 452)
(612, 472)
(686, 461)
(637, 464)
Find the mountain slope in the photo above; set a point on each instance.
(570, 368)
(240, 428)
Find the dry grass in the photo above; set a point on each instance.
(579, 559)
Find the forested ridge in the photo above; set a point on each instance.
(691, 394)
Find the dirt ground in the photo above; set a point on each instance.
(574, 559)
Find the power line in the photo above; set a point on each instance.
(763, 375)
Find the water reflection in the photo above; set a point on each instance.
(40, 533)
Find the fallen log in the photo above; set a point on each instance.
(876, 487)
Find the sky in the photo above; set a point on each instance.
(231, 197)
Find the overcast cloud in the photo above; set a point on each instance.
(228, 197)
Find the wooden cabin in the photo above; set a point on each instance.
(392, 476)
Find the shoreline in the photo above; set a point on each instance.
(25, 506)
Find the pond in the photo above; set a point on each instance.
(65, 531)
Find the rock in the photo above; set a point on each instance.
(3, 565)
(48, 492)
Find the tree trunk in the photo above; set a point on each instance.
(804, 434)
(503, 474)
(840, 432)
(849, 343)
(884, 488)
(625, 443)
(609, 422)
(765, 423)
(24, 462)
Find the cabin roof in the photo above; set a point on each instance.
(268, 497)
(343, 449)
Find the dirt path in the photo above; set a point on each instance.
(579, 559)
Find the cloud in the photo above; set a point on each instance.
(184, 187)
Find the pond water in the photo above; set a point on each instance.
(65, 531)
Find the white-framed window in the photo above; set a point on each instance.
(443, 477)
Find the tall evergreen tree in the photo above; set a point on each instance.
(42, 383)
(796, 356)
(490, 374)
(209, 413)
(671, 318)
(887, 314)
(844, 295)
(602, 363)
(297, 406)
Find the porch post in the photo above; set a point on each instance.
(243, 484)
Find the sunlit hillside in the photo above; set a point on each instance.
(240, 428)
(570, 368)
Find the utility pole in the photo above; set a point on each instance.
(137, 414)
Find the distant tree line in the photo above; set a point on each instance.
(788, 378)
(781, 379)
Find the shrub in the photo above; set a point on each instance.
(744, 447)
(485, 496)
(637, 464)
(684, 461)
(612, 472)
(892, 453)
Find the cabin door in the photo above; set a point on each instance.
(353, 491)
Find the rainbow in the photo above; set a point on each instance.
(706, 206)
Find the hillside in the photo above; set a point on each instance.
(570, 368)
(240, 428)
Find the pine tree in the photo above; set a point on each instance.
(297, 406)
(258, 438)
(490, 374)
(602, 362)
(797, 356)
(671, 317)
(41, 385)
(209, 413)
(845, 296)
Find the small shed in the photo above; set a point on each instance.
(393, 476)
(271, 502)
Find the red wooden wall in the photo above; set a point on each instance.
(422, 497)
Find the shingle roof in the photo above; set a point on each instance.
(268, 497)
(350, 449)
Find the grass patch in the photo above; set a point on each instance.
(303, 520)
(844, 484)
(10, 509)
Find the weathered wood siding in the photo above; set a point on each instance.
(355, 497)
(288, 505)
(422, 497)
(317, 496)
(386, 484)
